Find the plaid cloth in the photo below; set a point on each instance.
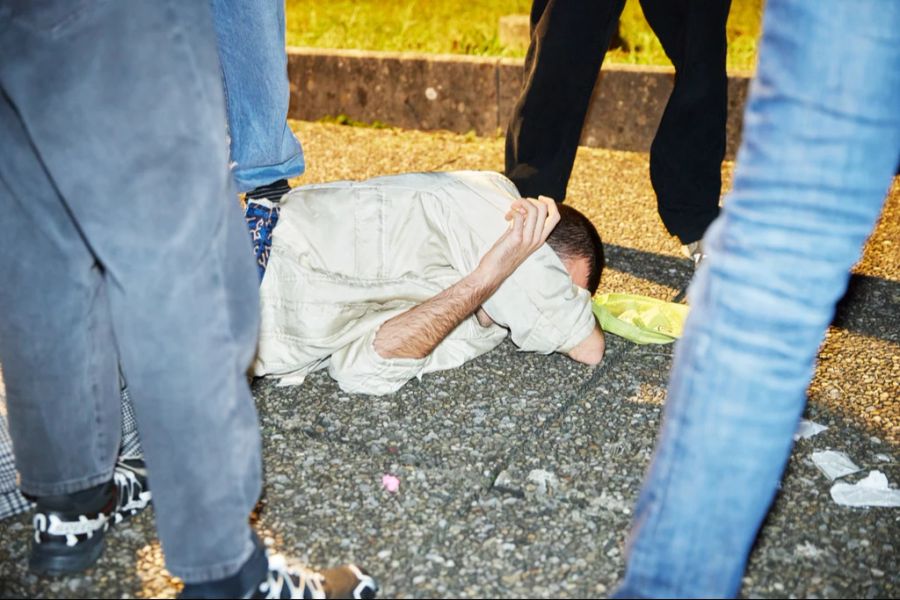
(261, 216)
(12, 502)
(131, 442)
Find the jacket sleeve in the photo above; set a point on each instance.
(358, 368)
(540, 305)
(543, 309)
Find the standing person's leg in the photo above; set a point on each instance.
(117, 182)
(250, 37)
(568, 43)
(821, 143)
(57, 349)
(687, 152)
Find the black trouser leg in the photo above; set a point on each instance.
(687, 152)
(568, 42)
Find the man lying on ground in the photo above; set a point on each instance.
(388, 279)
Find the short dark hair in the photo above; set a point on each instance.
(575, 237)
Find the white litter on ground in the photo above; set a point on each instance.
(545, 481)
(807, 429)
(807, 550)
(873, 490)
(834, 464)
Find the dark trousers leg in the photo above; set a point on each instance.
(687, 152)
(569, 39)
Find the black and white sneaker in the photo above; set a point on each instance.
(133, 495)
(295, 581)
(69, 530)
(267, 576)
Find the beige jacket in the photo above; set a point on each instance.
(348, 256)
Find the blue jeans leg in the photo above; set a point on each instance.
(821, 143)
(254, 66)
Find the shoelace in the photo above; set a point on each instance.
(131, 490)
(54, 526)
(280, 576)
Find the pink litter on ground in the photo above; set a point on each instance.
(390, 483)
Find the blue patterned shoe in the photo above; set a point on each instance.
(261, 216)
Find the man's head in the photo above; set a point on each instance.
(577, 243)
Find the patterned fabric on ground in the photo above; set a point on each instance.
(261, 216)
(131, 443)
(12, 502)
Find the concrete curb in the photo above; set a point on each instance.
(466, 93)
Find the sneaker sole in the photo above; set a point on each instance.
(44, 562)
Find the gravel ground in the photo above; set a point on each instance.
(518, 472)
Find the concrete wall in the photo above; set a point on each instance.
(465, 93)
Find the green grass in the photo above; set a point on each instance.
(470, 27)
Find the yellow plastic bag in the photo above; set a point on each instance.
(640, 319)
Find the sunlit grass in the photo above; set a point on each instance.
(467, 27)
(437, 26)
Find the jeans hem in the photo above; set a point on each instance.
(205, 574)
(250, 178)
(65, 487)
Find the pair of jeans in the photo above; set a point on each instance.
(254, 68)
(123, 244)
(821, 144)
(568, 43)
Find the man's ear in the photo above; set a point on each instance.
(579, 269)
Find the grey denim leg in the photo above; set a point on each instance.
(123, 101)
(56, 342)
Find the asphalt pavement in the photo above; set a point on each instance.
(518, 472)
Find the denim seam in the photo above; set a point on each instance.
(99, 439)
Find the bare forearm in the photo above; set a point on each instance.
(418, 331)
(590, 351)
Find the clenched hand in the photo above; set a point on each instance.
(531, 221)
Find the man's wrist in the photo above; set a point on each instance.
(483, 281)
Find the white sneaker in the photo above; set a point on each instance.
(694, 251)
